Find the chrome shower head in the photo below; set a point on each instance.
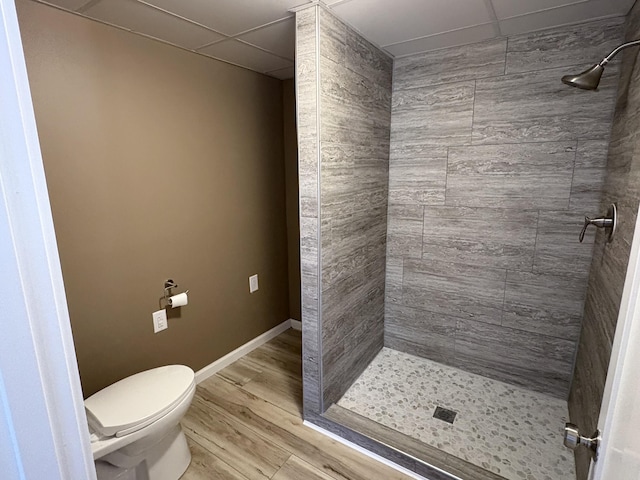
(587, 80)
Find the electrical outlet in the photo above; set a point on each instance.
(253, 283)
(159, 320)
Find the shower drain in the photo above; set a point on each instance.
(445, 414)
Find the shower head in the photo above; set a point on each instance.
(587, 80)
(590, 78)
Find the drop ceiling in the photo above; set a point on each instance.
(260, 34)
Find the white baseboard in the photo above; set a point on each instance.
(296, 324)
(364, 451)
(241, 351)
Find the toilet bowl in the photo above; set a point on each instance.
(135, 425)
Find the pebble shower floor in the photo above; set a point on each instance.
(505, 429)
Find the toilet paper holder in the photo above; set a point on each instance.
(168, 285)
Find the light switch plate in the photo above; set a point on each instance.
(253, 283)
(159, 320)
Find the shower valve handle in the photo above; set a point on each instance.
(609, 221)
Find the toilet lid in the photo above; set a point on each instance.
(136, 401)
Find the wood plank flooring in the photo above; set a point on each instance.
(245, 424)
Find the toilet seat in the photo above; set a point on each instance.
(139, 400)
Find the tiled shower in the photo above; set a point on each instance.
(441, 199)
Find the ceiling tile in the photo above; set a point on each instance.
(578, 12)
(245, 55)
(385, 22)
(279, 38)
(144, 19)
(465, 36)
(230, 16)
(509, 8)
(283, 73)
(68, 4)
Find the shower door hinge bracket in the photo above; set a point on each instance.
(573, 439)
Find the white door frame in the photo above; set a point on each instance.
(43, 429)
(619, 419)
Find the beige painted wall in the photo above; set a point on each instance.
(291, 175)
(160, 163)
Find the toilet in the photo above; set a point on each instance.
(135, 425)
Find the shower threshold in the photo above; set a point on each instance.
(499, 431)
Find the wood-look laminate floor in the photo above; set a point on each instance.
(245, 424)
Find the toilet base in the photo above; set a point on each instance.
(167, 459)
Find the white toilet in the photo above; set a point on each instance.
(135, 425)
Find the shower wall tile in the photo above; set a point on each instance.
(536, 175)
(308, 157)
(609, 266)
(404, 230)
(350, 123)
(588, 179)
(417, 174)
(480, 60)
(503, 161)
(449, 105)
(393, 279)
(462, 291)
(544, 303)
(367, 60)
(558, 250)
(537, 107)
(495, 238)
(420, 332)
(525, 359)
(580, 45)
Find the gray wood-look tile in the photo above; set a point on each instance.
(577, 45)
(404, 230)
(490, 237)
(545, 304)
(537, 107)
(536, 175)
(435, 115)
(558, 250)
(240, 372)
(588, 176)
(463, 291)
(527, 359)
(419, 332)
(204, 465)
(479, 60)
(417, 174)
(235, 444)
(296, 469)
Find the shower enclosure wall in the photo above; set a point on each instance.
(491, 164)
(344, 111)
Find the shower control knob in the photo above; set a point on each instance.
(608, 222)
(573, 439)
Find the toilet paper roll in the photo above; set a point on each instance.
(179, 300)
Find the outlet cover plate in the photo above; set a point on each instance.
(159, 320)
(253, 283)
